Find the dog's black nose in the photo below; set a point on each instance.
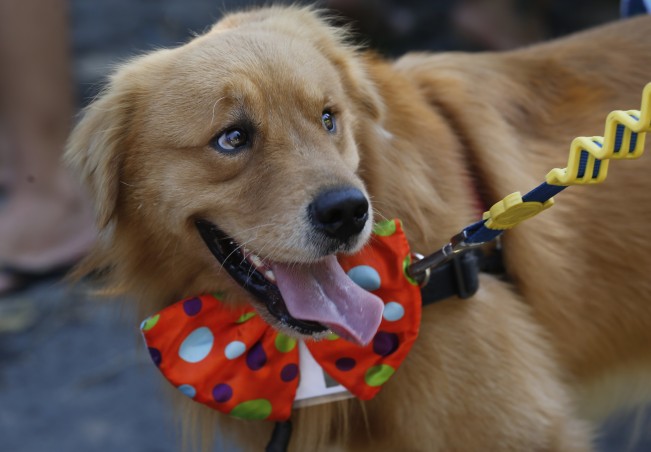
(340, 213)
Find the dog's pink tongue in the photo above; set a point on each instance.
(322, 292)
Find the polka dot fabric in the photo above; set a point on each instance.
(223, 367)
(363, 370)
(231, 360)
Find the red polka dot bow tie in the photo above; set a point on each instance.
(231, 360)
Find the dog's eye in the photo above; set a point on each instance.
(328, 121)
(231, 140)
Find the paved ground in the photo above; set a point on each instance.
(73, 373)
(75, 377)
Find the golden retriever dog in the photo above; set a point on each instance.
(271, 120)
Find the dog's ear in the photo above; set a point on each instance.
(358, 83)
(95, 147)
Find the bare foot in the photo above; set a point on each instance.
(7, 282)
(44, 229)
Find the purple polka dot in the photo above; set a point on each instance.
(155, 356)
(256, 358)
(289, 372)
(345, 364)
(222, 393)
(385, 343)
(192, 306)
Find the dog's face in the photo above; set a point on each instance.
(243, 143)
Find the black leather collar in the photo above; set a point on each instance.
(460, 276)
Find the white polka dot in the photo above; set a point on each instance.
(393, 311)
(188, 390)
(197, 345)
(234, 350)
(366, 277)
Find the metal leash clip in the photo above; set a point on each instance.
(420, 270)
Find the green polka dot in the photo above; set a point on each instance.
(406, 263)
(254, 410)
(285, 344)
(219, 295)
(150, 322)
(385, 228)
(378, 375)
(244, 317)
(332, 337)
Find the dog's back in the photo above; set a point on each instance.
(583, 265)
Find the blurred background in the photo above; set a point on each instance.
(73, 373)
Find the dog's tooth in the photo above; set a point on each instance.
(255, 260)
(270, 276)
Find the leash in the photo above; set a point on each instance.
(623, 139)
(280, 437)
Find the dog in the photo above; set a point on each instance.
(290, 141)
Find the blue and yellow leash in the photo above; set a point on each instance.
(624, 138)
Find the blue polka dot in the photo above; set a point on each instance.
(192, 306)
(188, 390)
(234, 350)
(366, 277)
(197, 345)
(156, 355)
(256, 357)
(393, 311)
(222, 393)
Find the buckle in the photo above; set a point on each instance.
(466, 272)
(458, 277)
(457, 246)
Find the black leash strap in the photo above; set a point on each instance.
(280, 437)
(459, 277)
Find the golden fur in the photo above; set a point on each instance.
(520, 366)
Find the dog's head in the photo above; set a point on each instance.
(241, 142)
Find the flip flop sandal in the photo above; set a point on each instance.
(14, 280)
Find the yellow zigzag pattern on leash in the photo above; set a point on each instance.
(603, 148)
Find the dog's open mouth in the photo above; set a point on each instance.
(309, 298)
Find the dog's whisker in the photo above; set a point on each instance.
(241, 246)
(260, 251)
(375, 201)
(379, 214)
